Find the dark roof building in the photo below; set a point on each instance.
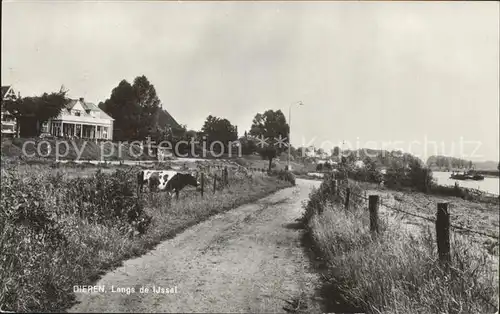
(165, 119)
(7, 91)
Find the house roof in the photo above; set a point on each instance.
(166, 119)
(87, 106)
(71, 103)
(5, 89)
(104, 115)
(90, 106)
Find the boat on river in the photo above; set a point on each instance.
(466, 175)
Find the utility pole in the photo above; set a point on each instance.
(290, 130)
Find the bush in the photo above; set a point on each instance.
(106, 199)
(366, 175)
(284, 175)
(242, 162)
(415, 176)
(56, 231)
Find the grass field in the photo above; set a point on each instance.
(65, 227)
(37, 148)
(398, 271)
(475, 215)
(259, 163)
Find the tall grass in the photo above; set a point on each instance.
(397, 271)
(57, 232)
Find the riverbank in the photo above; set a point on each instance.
(491, 173)
(398, 271)
(488, 185)
(445, 186)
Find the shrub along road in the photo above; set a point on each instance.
(248, 259)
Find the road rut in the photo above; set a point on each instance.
(248, 259)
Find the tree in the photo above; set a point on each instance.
(271, 126)
(384, 158)
(135, 108)
(350, 158)
(248, 145)
(149, 104)
(370, 164)
(122, 106)
(301, 151)
(31, 112)
(219, 129)
(336, 151)
(420, 176)
(320, 152)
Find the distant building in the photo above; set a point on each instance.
(164, 153)
(8, 121)
(359, 164)
(81, 119)
(324, 161)
(310, 153)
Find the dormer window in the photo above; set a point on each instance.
(77, 113)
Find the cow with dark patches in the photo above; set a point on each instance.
(165, 180)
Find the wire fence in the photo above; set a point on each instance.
(211, 177)
(350, 196)
(344, 190)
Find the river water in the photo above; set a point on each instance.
(489, 184)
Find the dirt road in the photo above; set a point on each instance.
(246, 260)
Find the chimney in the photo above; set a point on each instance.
(82, 99)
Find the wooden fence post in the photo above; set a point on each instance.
(443, 234)
(347, 195)
(334, 187)
(202, 183)
(373, 205)
(215, 182)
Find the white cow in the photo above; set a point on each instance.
(168, 180)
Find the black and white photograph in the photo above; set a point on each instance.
(250, 157)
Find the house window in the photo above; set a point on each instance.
(45, 127)
(77, 113)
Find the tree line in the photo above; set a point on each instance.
(447, 162)
(138, 115)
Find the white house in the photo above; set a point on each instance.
(8, 121)
(81, 119)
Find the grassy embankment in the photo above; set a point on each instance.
(58, 232)
(299, 169)
(75, 149)
(398, 271)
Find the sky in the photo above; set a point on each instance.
(422, 77)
